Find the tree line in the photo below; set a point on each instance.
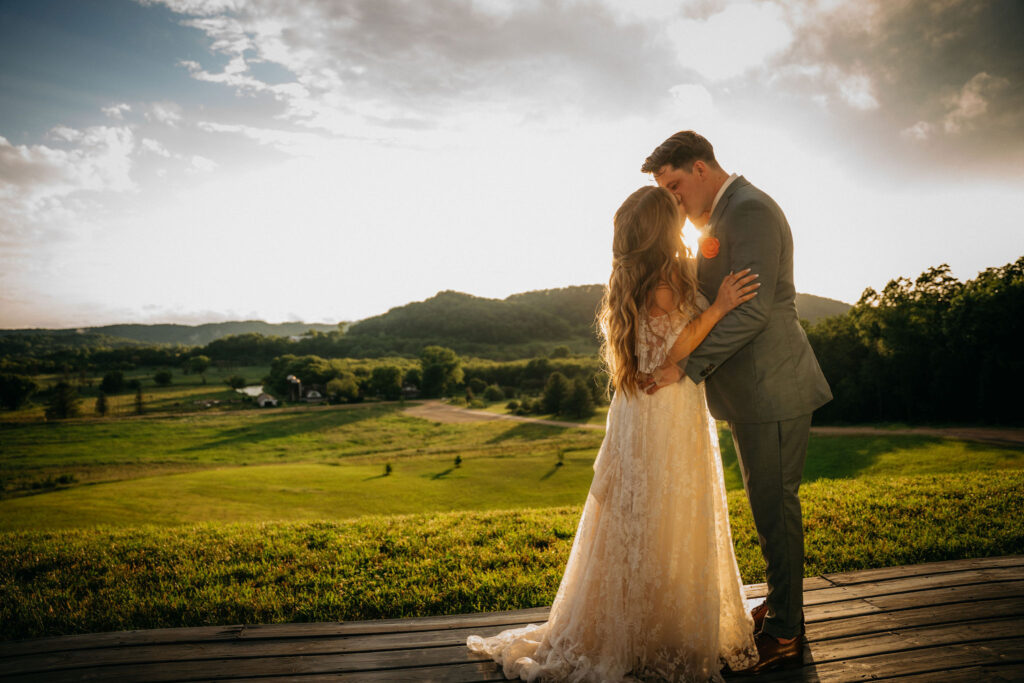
(933, 349)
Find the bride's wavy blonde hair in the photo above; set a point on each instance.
(647, 250)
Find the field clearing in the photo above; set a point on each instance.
(305, 491)
(101, 579)
(327, 463)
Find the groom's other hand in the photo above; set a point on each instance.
(662, 377)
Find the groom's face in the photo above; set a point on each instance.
(685, 186)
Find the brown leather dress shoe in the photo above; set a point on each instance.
(759, 614)
(775, 655)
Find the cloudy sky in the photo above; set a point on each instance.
(324, 160)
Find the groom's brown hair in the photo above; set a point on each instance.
(680, 151)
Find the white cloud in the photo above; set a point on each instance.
(731, 42)
(201, 164)
(116, 111)
(155, 146)
(98, 159)
(857, 91)
(920, 131)
(167, 113)
(971, 102)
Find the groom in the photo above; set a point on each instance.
(761, 374)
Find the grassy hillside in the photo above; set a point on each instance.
(105, 579)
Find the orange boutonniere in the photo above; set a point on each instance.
(709, 247)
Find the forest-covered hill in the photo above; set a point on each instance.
(542, 315)
(468, 323)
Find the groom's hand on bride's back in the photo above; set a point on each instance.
(662, 377)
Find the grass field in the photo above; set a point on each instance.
(76, 581)
(328, 462)
(285, 515)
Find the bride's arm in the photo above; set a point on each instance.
(735, 289)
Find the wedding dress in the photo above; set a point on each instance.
(651, 590)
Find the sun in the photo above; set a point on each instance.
(691, 236)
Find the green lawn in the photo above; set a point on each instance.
(77, 581)
(327, 463)
(285, 515)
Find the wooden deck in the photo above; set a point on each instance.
(943, 621)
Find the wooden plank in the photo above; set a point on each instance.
(913, 638)
(243, 648)
(913, 585)
(935, 596)
(881, 574)
(396, 662)
(290, 630)
(458, 673)
(960, 612)
(935, 661)
(971, 674)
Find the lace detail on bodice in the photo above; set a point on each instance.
(651, 590)
(656, 334)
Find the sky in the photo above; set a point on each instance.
(194, 161)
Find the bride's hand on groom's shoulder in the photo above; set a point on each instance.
(662, 377)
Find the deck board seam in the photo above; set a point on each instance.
(943, 669)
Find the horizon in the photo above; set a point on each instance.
(182, 162)
(83, 328)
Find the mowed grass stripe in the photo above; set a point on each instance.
(309, 491)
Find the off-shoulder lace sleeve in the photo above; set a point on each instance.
(657, 334)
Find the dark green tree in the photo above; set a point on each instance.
(235, 381)
(15, 390)
(199, 365)
(63, 403)
(163, 378)
(386, 382)
(113, 382)
(343, 389)
(102, 407)
(555, 391)
(579, 402)
(561, 352)
(441, 371)
(493, 393)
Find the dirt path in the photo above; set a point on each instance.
(436, 411)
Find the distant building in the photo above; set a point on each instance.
(265, 399)
(313, 396)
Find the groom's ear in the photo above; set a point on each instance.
(700, 169)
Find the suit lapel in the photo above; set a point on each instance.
(723, 203)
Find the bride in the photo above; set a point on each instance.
(651, 589)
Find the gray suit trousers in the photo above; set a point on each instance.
(771, 457)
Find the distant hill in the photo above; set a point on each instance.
(521, 325)
(544, 315)
(187, 335)
(200, 335)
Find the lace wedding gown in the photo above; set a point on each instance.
(651, 590)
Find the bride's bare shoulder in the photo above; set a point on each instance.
(663, 300)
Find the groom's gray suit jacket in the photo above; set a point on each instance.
(757, 362)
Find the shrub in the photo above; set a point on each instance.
(235, 381)
(494, 393)
(163, 378)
